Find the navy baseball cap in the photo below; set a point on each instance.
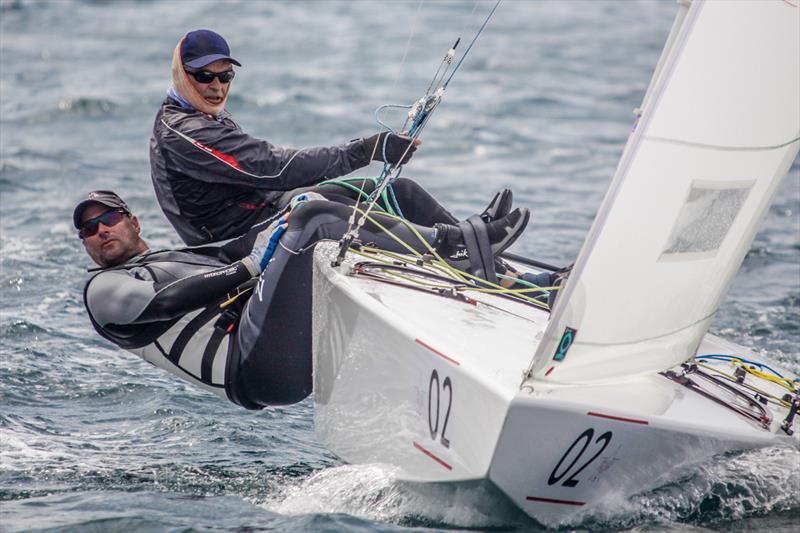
(202, 47)
(107, 198)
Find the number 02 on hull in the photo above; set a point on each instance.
(420, 393)
(621, 384)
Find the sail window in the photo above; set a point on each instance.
(706, 217)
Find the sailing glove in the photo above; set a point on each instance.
(394, 147)
(264, 247)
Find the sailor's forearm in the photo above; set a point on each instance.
(194, 292)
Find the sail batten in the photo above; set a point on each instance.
(648, 339)
(719, 147)
(719, 128)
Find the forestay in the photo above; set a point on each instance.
(720, 127)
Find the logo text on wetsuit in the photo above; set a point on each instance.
(227, 272)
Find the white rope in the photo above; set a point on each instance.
(408, 44)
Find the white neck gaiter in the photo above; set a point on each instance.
(180, 80)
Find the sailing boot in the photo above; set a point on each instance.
(499, 207)
(557, 280)
(472, 245)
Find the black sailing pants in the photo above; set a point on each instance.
(416, 203)
(271, 363)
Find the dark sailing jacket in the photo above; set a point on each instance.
(213, 181)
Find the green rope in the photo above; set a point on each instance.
(344, 182)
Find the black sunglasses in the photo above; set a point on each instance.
(108, 219)
(205, 76)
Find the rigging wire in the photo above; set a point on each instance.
(408, 44)
(419, 115)
(469, 47)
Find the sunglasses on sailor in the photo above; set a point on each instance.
(108, 219)
(205, 77)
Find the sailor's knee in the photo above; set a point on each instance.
(405, 184)
(305, 212)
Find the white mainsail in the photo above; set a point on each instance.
(720, 127)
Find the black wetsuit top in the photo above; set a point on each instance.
(165, 306)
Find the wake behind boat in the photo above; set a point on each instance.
(619, 385)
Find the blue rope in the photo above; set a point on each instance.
(725, 357)
(387, 106)
(394, 201)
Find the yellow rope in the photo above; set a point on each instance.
(233, 298)
(773, 399)
(783, 382)
(392, 235)
(442, 267)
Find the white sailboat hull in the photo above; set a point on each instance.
(434, 387)
(375, 357)
(450, 390)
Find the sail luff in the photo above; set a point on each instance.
(719, 130)
(671, 50)
(677, 24)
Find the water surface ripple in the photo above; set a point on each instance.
(93, 439)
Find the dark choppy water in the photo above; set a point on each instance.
(93, 439)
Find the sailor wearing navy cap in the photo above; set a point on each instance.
(201, 48)
(202, 71)
(214, 181)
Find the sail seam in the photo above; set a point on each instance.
(720, 147)
(645, 339)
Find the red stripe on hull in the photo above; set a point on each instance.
(552, 500)
(429, 454)
(619, 418)
(437, 352)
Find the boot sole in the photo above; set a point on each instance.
(499, 207)
(516, 232)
